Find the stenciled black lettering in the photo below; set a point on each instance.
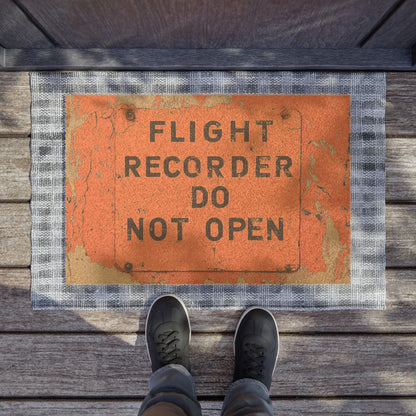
(215, 167)
(235, 225)
(277, 231)
(131, 167)
(163, 229)
(225, 197)
(197, 164)
(235, 161)
(217, 132)
(166, 167)
(208, 229)
(251, 227)
(264, 130)
(179, 222)
(283, 166)
(173, 137)
(154, 130)
(259, 166)
(244, 130)
(150, 165)
(203, 192)
(138, 231)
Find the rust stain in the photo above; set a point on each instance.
(82, 269)
(214, 100)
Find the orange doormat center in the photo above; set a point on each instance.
(204, 189)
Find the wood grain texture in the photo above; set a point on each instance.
(321, 407)
(207, 23)
(399, 316)
(14, 169)
(15, 235)
(401, 235)
(401, 104)
(14, 104)
(398, 59)
(401, 170)
(117, 366)
(17, 31)
(398, 31)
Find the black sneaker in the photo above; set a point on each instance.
(168, 332)
(256, 345)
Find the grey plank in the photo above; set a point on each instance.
(91, 366)
(207, 23)
(398, 31)
(14, 104)
(14, 169)
(401, 235)
(209, 59)
(15, 166)
(399, 316)
(401, 104)
(400, 170)
(17, 31)
(15, 235)
(304, 407)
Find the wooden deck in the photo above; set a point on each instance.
(95, 363)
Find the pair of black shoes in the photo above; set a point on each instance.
(256, 341)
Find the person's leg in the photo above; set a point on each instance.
(256, 346)
(171, 387)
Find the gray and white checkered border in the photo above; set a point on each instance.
(367, 288)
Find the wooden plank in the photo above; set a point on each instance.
(17, 30)
(322, 407)
(399, 316)
(14, 169)
(400, 235)
(400, 105)
(15, 235)
(400, 170)
(14, 104)
(206, 23)
(209, 59)
(398, 31)
(90, 366)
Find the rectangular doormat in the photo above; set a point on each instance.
(230, 189)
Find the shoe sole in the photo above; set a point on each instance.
(148, 314)
(275, 324)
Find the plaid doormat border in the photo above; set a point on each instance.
(367, 288)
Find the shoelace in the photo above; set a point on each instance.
(254, 361)
(167, 348)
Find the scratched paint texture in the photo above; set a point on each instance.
(314, 202)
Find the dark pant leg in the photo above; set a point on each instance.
(247, 397)
(173, 386)
(164, 409)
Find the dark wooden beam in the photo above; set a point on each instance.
(2, 58)
(414, 56)
(209, 59)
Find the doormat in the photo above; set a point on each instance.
(230, 189)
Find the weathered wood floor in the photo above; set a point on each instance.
(94, 363)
